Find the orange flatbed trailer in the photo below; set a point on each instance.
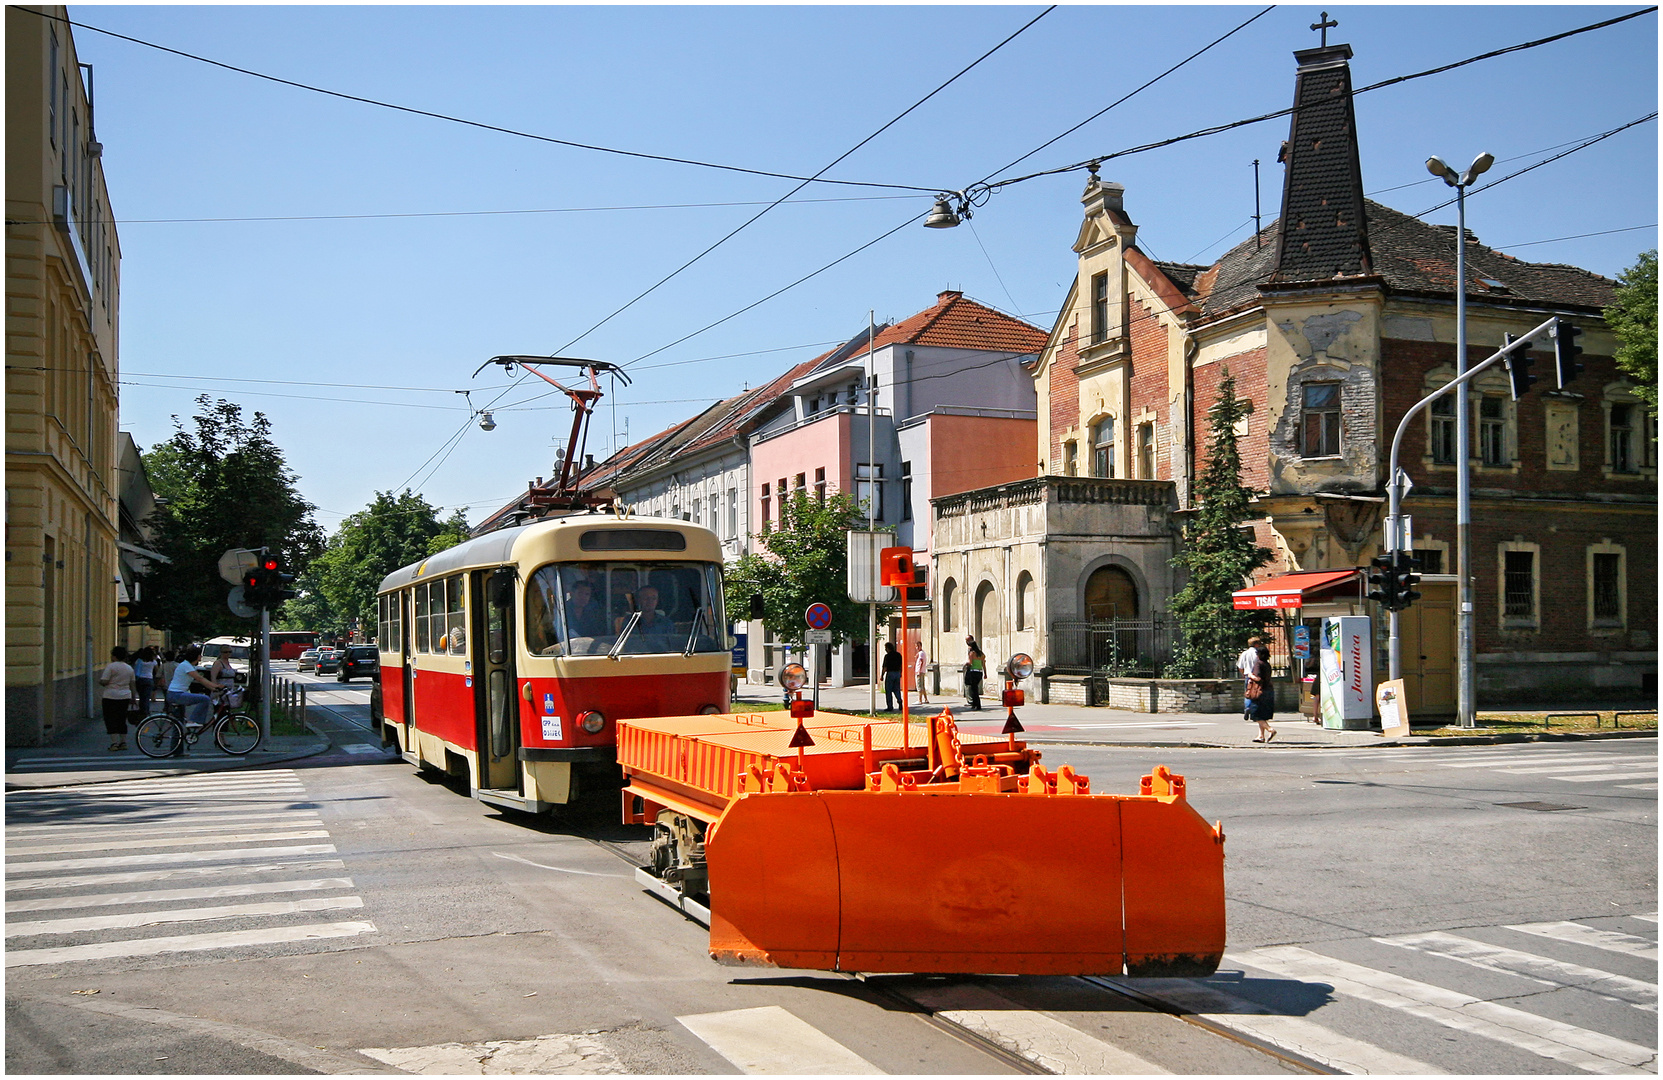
(842, 844)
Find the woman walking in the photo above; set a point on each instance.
(1258, 695)
(117, 681)
(975, 668)
(144, 678)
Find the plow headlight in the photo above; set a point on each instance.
(793, 676)
(1020, 666)
(591, 722)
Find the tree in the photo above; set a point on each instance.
(340, 585)
(806, 563)
(1633, 318)
(223, 484)
(1218, 552)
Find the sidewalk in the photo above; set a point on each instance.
(1102, 726)
(79, 755)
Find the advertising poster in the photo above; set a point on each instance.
(1394, 711)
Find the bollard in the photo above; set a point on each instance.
(303, 707)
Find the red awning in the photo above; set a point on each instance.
(1290, 590)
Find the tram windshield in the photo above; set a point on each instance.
(583, 609)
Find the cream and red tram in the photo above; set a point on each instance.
(509, 659)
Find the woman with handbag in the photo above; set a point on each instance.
(1259, 697)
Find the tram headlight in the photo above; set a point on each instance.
(793, 677)
(709, 710)
(591, 722)
(1020, 666)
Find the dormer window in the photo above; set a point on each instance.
(1099, 308)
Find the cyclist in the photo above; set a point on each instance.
(185, 676)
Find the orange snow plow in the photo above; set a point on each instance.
(883, 847)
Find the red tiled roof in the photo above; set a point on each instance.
(957, 323)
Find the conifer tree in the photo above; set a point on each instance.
(1218, 553)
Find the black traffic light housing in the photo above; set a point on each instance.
(278, 586)
(1565, 351)
(254, 584)
(1405, 566)
(1518, 371)
(1383, 579)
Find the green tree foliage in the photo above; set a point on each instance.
(339, 586)
(805, 561)
(1633, 318)
(225, 485)
(1218, 553)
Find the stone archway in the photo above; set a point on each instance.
(1111, 594)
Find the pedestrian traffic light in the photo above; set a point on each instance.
(1518, 371)
(1383, 578)
(1565, 351)
(1406, 578)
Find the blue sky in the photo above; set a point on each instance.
(363, 323)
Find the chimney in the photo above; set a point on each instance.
(1323, 232)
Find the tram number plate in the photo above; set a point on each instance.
(551, 729)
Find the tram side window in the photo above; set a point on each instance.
(455, 621)
(423, 641)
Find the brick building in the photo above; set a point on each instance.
(1333, 321)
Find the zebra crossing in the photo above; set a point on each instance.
(1582, 998)
(1567, 764)
(118, 870)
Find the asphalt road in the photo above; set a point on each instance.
(1482, 909)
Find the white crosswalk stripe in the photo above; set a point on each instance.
(769, 1041)
(1435, 991)
(240, 840)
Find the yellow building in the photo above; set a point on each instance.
(62, 289)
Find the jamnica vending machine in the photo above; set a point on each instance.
(1346, 682)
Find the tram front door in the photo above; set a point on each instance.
(492, 660)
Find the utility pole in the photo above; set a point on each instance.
(871, 512)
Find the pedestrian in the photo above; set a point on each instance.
(892, 678)
(1258, 695)
(144, 678)
(975, 669)
(181, 689)
(223, 673)
(164, 672)
(117, 681)
(921, 669)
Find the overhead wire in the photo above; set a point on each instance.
(457, 119)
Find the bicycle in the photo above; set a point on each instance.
(165, 734)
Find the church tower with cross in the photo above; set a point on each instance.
(1332, 321)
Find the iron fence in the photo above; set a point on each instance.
(1144, 648)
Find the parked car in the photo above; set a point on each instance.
(308, 660)
(359, 660)
(328, 661)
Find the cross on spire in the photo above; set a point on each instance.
(1324, 26)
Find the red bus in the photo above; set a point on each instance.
(530, 643)
(289, 644)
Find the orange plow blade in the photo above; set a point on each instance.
(926, 863)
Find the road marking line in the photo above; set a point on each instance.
(34, 884)
(1648, 774)
(1652, 917)
(1292, 1033)
(560, 869)
(294, 819)
(181, 856)
(183, 780)
(163, 841)
(88, 923)
(1044, 1040)
(1551, 1039)
(546, 1055)
(1568, 768)
(1639, 787)
(1607, 760)
(155, 896)
(769, 1041)
(229, 939)
(1578, 934)
(1540, 969)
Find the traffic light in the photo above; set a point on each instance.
(254, 585)
(1518, 371)
(1565, 351)
(1407, 579)
(1383, 578)
(278, 585)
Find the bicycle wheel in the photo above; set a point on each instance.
(238, 733)
(158, 735)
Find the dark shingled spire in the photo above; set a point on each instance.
(1322, 227)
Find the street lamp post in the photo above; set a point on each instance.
(1465, 665)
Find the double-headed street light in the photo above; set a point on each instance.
(1466, 668)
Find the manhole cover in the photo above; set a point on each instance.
(1545, 807)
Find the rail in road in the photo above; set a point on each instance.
(223, 866)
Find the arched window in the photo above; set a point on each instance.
(949, 598)
(1111, 594)
(1025, 613)
(987, 613)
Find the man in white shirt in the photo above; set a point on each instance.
(1248, 662)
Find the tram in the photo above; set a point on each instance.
(509, 659)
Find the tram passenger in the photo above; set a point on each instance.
(653, 621)
(584, 617)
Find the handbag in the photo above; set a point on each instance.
(1255, 689)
